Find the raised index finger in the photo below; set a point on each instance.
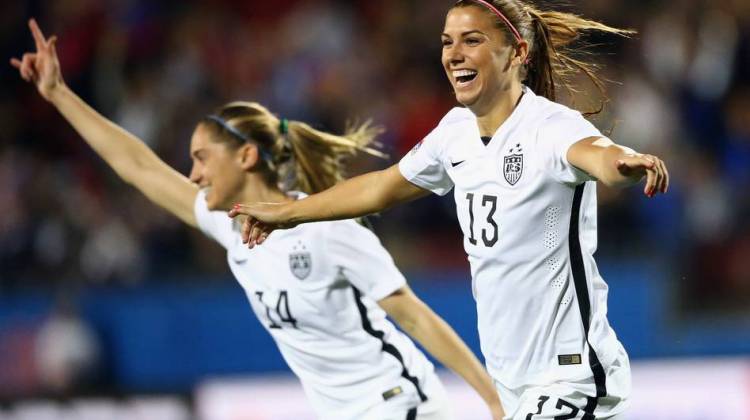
(36, 32)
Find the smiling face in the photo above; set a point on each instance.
(477, 58)
(217, 168)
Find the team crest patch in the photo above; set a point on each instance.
(513, 165)
(300, 261)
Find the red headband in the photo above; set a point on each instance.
(516, 34)
(494, 9)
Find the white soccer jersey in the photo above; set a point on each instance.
(314, 288)
(529, 223)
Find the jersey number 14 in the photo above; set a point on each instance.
(282, 310)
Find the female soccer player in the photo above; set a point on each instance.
(523, 169)
(322, 290)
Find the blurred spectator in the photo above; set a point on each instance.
(67, 351)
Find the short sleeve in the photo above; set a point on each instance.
(423, 165)
(215, 224)
(365, 263)
(555, 136)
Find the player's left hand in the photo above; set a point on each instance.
(639, 165)
(41, 67)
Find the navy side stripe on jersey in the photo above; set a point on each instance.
(412, 414)
(387, 347)
(584, 303)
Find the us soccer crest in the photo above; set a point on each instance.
(300, 261)
(513, 165)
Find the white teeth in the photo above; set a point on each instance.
(461, 73)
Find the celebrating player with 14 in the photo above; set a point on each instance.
(321, 290)
(523, 169)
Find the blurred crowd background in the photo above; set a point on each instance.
(681, 90)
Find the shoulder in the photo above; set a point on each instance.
(215, 224)
(455, 116)
(548, 112)
(454, 123)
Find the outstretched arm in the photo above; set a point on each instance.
(133, 161)
(619, 166)
(355, 197)
(438, 338)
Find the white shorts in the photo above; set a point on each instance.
(435, 408)
(568, 400)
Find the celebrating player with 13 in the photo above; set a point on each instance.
(322, 290)
(523, 170)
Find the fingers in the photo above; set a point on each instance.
(254, 232)
(51, 45)
(665, 183)
(36, 32)
(658, 177)
(27, 68)
(21, 70)
(630, 165)
(651, 180)
(247, 225)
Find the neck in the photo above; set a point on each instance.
(257, 190)
(491, 117)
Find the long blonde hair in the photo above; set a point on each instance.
(550, 35)
(294, 155)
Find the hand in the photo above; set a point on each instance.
(637, 165)
(42, 67)
(262, 219)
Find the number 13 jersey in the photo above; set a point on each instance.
(529, 224)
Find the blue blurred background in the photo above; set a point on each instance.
(102, 293)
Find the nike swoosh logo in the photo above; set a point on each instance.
(457, 163)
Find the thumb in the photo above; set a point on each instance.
(623, 167)
(238, 209)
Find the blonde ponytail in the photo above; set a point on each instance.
(295, 156)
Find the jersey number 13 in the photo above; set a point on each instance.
(490, 232)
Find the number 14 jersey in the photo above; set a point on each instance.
(315, 289)
(529, 223)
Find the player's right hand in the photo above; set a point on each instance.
(41, 67)
(261, 220)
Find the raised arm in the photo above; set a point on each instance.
(355, 197)
(619, 166)
(133, 161)
(438, 338)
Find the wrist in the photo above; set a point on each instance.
(290, 214)
(57, 94)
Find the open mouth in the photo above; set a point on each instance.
(464, 76)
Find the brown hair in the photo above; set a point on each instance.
(294, 155)
(550, 35)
